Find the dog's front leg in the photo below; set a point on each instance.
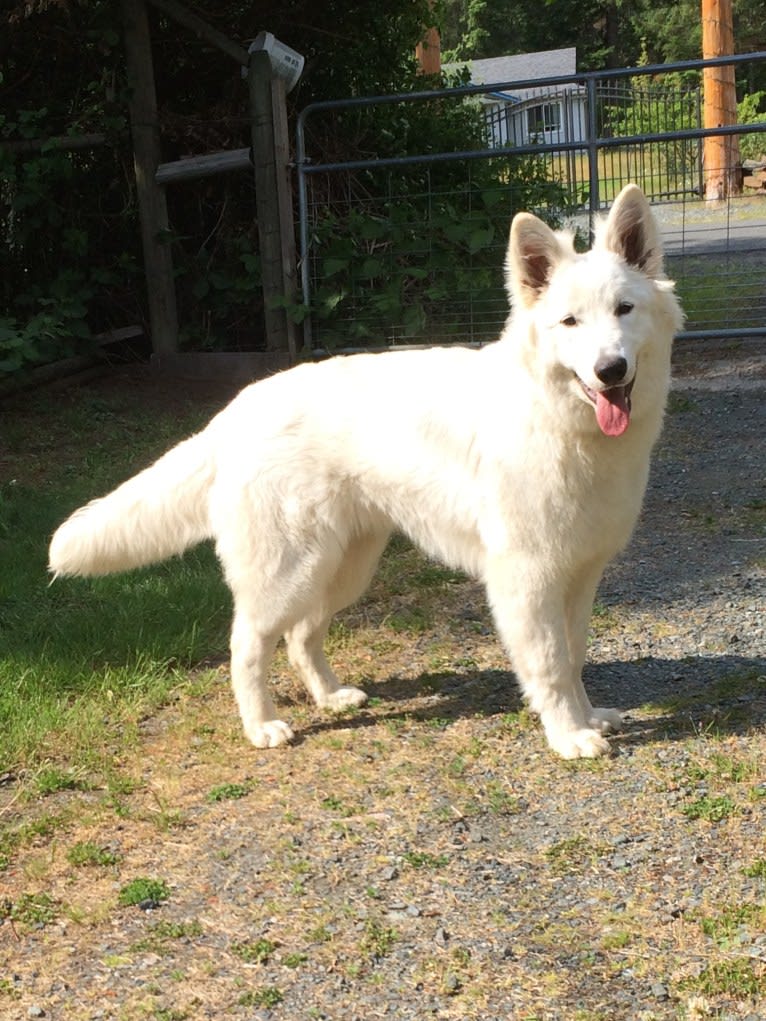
(530, 615)
(579, 609)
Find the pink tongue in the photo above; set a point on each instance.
(613, 411)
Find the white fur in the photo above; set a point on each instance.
(491, 461)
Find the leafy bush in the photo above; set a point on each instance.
(415, 251)
(752, 110)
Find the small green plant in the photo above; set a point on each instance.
(52, 780)
(736, 977)
(295, 960)
(501, 801)
(9, 990)
(335, 804)
(87, 853)
(424, 860)
(161, 935)
(572, 855)
(320, 934)
(724, 926)
(143, 890)
(42, 828)
(712, 809)
(170, 1014)
(31, 910)
(269, 996)
(756, 870)
(378, 939)
(256, 952)
(229, 791)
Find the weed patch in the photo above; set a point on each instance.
(86, 853)
(269, 996)
(31, 910)
(711, 809)
(229, 791)
(143, 891)
(257, 952)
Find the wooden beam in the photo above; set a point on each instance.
(721, 152)
(201, 28)
(193, 167)
(152, 207)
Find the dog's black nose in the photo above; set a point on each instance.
(611, 370)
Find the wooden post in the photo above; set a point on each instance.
(428, 52)
(721, 152)
(153, 212)
(285, 201)
(276, 240)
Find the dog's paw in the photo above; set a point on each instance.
(605, 721)
(579, 744)
(270, 734)
(344, 698)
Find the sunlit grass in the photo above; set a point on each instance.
(83, 659)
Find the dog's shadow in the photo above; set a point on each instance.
(661, 699)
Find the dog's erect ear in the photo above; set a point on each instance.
(533, 253)
(630, 231)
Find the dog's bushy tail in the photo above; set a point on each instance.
(154, 515)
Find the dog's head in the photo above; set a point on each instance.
(594, 315)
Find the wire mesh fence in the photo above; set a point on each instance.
(407, 243)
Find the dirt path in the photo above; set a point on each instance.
(427, 857)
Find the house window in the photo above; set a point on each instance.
(544, 118)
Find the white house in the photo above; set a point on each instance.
(548, 113)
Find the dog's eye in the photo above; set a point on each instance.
(623, 308)
(569, 321)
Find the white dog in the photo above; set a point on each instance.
(523, 463)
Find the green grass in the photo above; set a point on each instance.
(704, 285)
(85, 659)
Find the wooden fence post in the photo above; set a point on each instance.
(721, 152)
(153, 212)
(273, 200)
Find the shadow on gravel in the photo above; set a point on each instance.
(671, 698)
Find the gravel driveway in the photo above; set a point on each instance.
(427, 856)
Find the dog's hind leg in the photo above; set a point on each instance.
(276, 579)
(251, 653)
(305, 639)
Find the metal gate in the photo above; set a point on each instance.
(406, 244)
